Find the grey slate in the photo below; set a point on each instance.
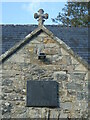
(76, 38)
(42, 93)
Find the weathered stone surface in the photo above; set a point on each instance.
(74, 61)
(48, 40)
(17, 58)
(34, 113)
(80, 68)
(78, 75)
(11, 73)
(6, 108)
(66, 60)
(7, 90)
(82, 95)
(74, 86)
(63, 115)
(64, 52)
(60, 76)
(7, 82)
(60, 66)
(66, 105)
(21, 112)
(72, 92)
(54, 114)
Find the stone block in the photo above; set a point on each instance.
(23, 115)
(35, 42)
(7, 82)
(66, 98)
(80, 67)
(70, 68)
(74, 61)
(10, 73)
(18, 111)
(13, 97)
(51, 51)
(49, 40)
(44, 113)
(52, 45)
(63, 115)
(82, 95)
(66, 105)
(74, 86)
(62, 92)
(77, 76)
(43, 34)
(87, 76)
(16, 58)
(60, 76)
(34, 113)
(7, 90)
(6, 108)
(64, 52)
(86, 86)
(66, 60)
(71, 92)
(31, 49)
(54, 113)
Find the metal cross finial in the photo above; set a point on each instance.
(41, 16)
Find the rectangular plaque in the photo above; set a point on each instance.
(42, 93)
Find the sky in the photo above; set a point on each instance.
(23, 12)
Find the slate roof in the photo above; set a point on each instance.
(76, 38)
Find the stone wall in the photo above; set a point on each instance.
(59, 65)
(74, 37)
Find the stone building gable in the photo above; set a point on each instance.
(35, 33)
(75, 38)
(21, 64)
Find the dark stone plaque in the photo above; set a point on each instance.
(42, 93)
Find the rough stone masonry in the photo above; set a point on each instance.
(61, 65)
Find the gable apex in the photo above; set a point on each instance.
(37, 31)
